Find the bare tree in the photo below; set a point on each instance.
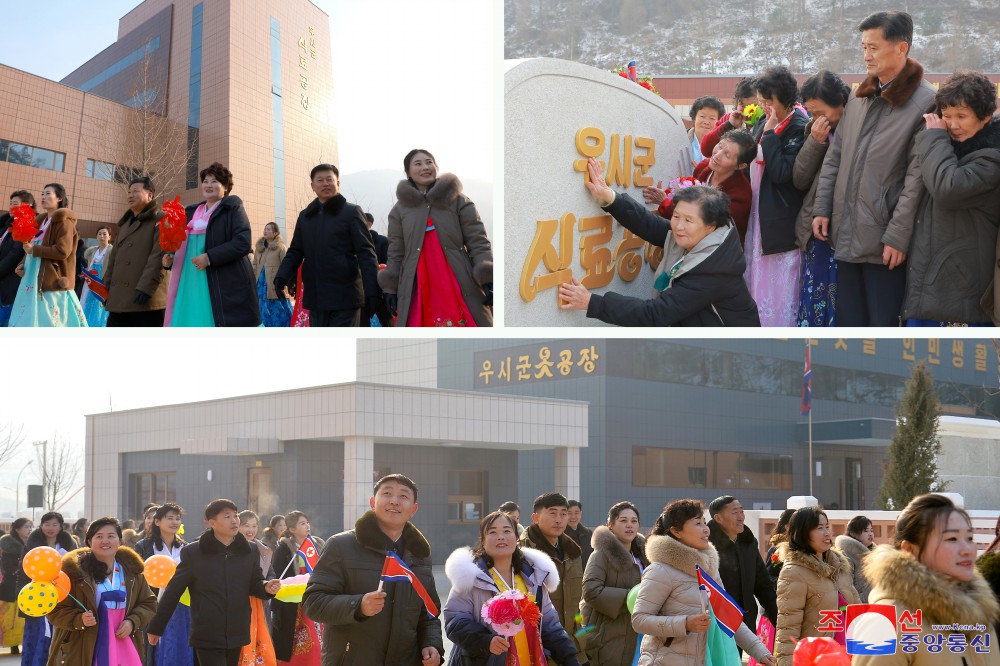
(143, 140)
(10, 441)
(60, 466)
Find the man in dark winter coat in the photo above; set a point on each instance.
(382, 256)
(363, 624)
(133, 271)
(11, 252)
(547, 533)
(869, 189)
(740, 564)
(221, 570)
(340, 274)
(577, 531)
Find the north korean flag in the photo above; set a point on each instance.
(395, 570)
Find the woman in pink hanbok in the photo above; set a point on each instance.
(773, 258)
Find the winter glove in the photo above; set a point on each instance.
(488, 298)
(391, 302)
(141, 297)
(279, 285)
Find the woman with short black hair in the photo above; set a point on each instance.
(773, 259)
(855, 545)
(213, 284)
(11, 554)
(699, 281)
(106, 578)
(670, 608)
(705, 113)
(814, 577)
(825, 97)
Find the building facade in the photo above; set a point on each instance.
(248, 84)
(704, 418)
(477, 422)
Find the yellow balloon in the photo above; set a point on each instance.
(37, 599)
(186, 597)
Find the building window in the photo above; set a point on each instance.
(40, 158)
(111, 172)
(466, 495)
(123, 64)
(155, 487)
(194, 94)
(692, 468)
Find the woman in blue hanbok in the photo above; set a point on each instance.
(173, 649)
(48, 274)
(93, 309)
(211, 281)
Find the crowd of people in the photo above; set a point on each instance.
(606, 597)
(435, 268)
(877, 208)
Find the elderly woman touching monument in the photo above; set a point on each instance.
(699, 281)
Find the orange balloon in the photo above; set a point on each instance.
(159, 570)
(42, 564)
(62, 585)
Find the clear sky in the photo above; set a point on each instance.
(406, 74)
(50, 392)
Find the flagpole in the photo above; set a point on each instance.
(808, 387)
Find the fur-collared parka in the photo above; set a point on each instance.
(668, 594)
(611, 572)
(284, 614)
(461, 233)
(267, 256)
(350, 567)
(472, 586)
(72, 643)
(567, 598)
(868, 185)
(57, 252)
(856, 552)
(806, 586)
(135, 263)
(909, 585)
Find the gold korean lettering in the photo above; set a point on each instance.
(958, 353)
(565, 362)
(588, 359)
(504, 372)
(583, 146)
(544, 365)
(644, 161)
(618, 172)
(868, 346)
(909, 349)
(523, 368)
(629, 261)
(934, 351)
(543, 251)
(595, 259)
(487, 371)
(981, 358)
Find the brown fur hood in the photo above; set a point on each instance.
(778, 538)
(668, 550)
(604, 540)
(272, 246)
(901, 578)
(442, 194)
(74, 567)
(830, 567)
(902, 88)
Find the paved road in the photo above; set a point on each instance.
(440, 580)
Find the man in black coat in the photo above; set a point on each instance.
(740, 564)
(11, 252)
(382, 255)
(340, 274)
(221, 570)
(391, 626)
(577, 531)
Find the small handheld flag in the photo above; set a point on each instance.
(807, 373)
(95, 284)
(727, 612)
(396, 570)
(309, 553)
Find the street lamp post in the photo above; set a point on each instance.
(17, 486)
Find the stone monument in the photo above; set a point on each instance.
(557, 113)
